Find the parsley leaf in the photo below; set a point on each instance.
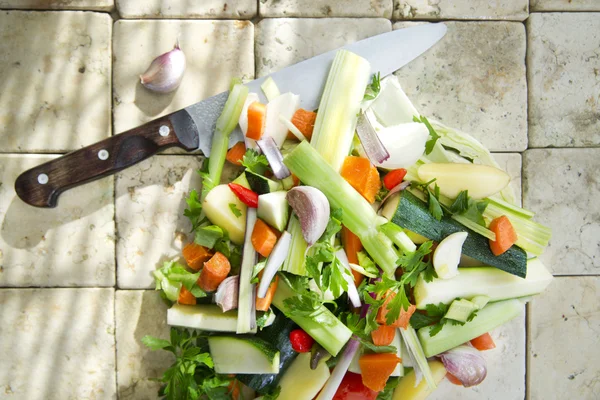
(236, 211)
(434, 136)
(475, 211)
(461, 203)
(366, 263)
(191, 376)
(373, 88)
(273, 395)
(255, 162)
(262, 318)
(333, 226)
(388, 391)
(381, 193)
(419, 320)
(194, 210)
(357, 326)
(434, 202)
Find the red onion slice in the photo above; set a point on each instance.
(352, 291)
(370, 141)
(398, 188)
(335, 379)
(274, 156)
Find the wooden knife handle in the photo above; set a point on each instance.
(41, 186)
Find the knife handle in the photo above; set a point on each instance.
(41, 185)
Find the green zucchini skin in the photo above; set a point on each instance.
(260, 184)
(413, 214)
(277, 335)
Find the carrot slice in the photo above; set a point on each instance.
(263, 238)
(454, 380)
(483, 342)
(186, 297)
(352, 246)
(383, 335)
(362, 176)
(505, 235)
(236, 153)
(305, 122)
(214, 272)
(264, 303)
(403, 318)
(257, 117)
(376, 369)
(196, 255)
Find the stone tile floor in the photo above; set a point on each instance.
(74, 299)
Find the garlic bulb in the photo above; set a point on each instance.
(165, 72)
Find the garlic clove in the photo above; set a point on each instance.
(165, 72)
(466, 364)
(312, 208)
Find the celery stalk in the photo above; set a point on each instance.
(295, 262)
(357, 214)
(322, 325)
(226, 123)
(339, 107)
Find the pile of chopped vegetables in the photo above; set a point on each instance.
(362, 251)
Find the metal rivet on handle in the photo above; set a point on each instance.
(164, 130)
(103, 155)
(43, 179)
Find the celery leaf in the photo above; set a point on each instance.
(461, 203)
(194, 210)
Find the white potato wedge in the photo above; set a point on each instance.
(480, 180)
(406, 389)
(217, 210)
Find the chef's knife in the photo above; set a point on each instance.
(191, 128)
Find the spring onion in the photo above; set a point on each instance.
(274, 262)
(246, 322)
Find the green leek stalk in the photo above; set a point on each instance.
(226, 123)
(357, 214)
(339, 108)
(334, 131)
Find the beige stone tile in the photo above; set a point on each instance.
(151, 227)
(516, 10)
(562, 5)
(325, 8)
(474, 80)
(70, 245)
(563, 72)
(95, 5)
(54, 80)
(231, 9)
(505, 368)
(216, 52)
(564, 324)
(511, 163)
(286, 41)
(57, 344)
(561, 186)
(140, 313)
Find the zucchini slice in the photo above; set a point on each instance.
(243, 355)
(412, 213)
(260, 184)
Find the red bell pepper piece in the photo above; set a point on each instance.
(394, 178)
(246, 196)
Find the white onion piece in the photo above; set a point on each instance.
(392, 106)
(466, 364)
(292, 128)
(447, 255)
(286, 105)
(375, 150)
(404, 142)
(226, 295)
(338, 373)
(352, 291)
(312, 208)
(274, 262)
(274, 156)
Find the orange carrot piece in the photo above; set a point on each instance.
(454, 380)
(234, 389)
(362, 176)
(376, 368)
(352, 246)
(505, 235)
(403, 318)
(214, 272)
(264, 303)
(257, 116)
(236, 153)
(186, 297)
(305, 122)
(383, 335)
(196, 255)
(263, 238)
(483, 342)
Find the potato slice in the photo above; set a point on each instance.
(480, 180)
(217, 209)
(406, 389)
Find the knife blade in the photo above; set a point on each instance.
(191, 128)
